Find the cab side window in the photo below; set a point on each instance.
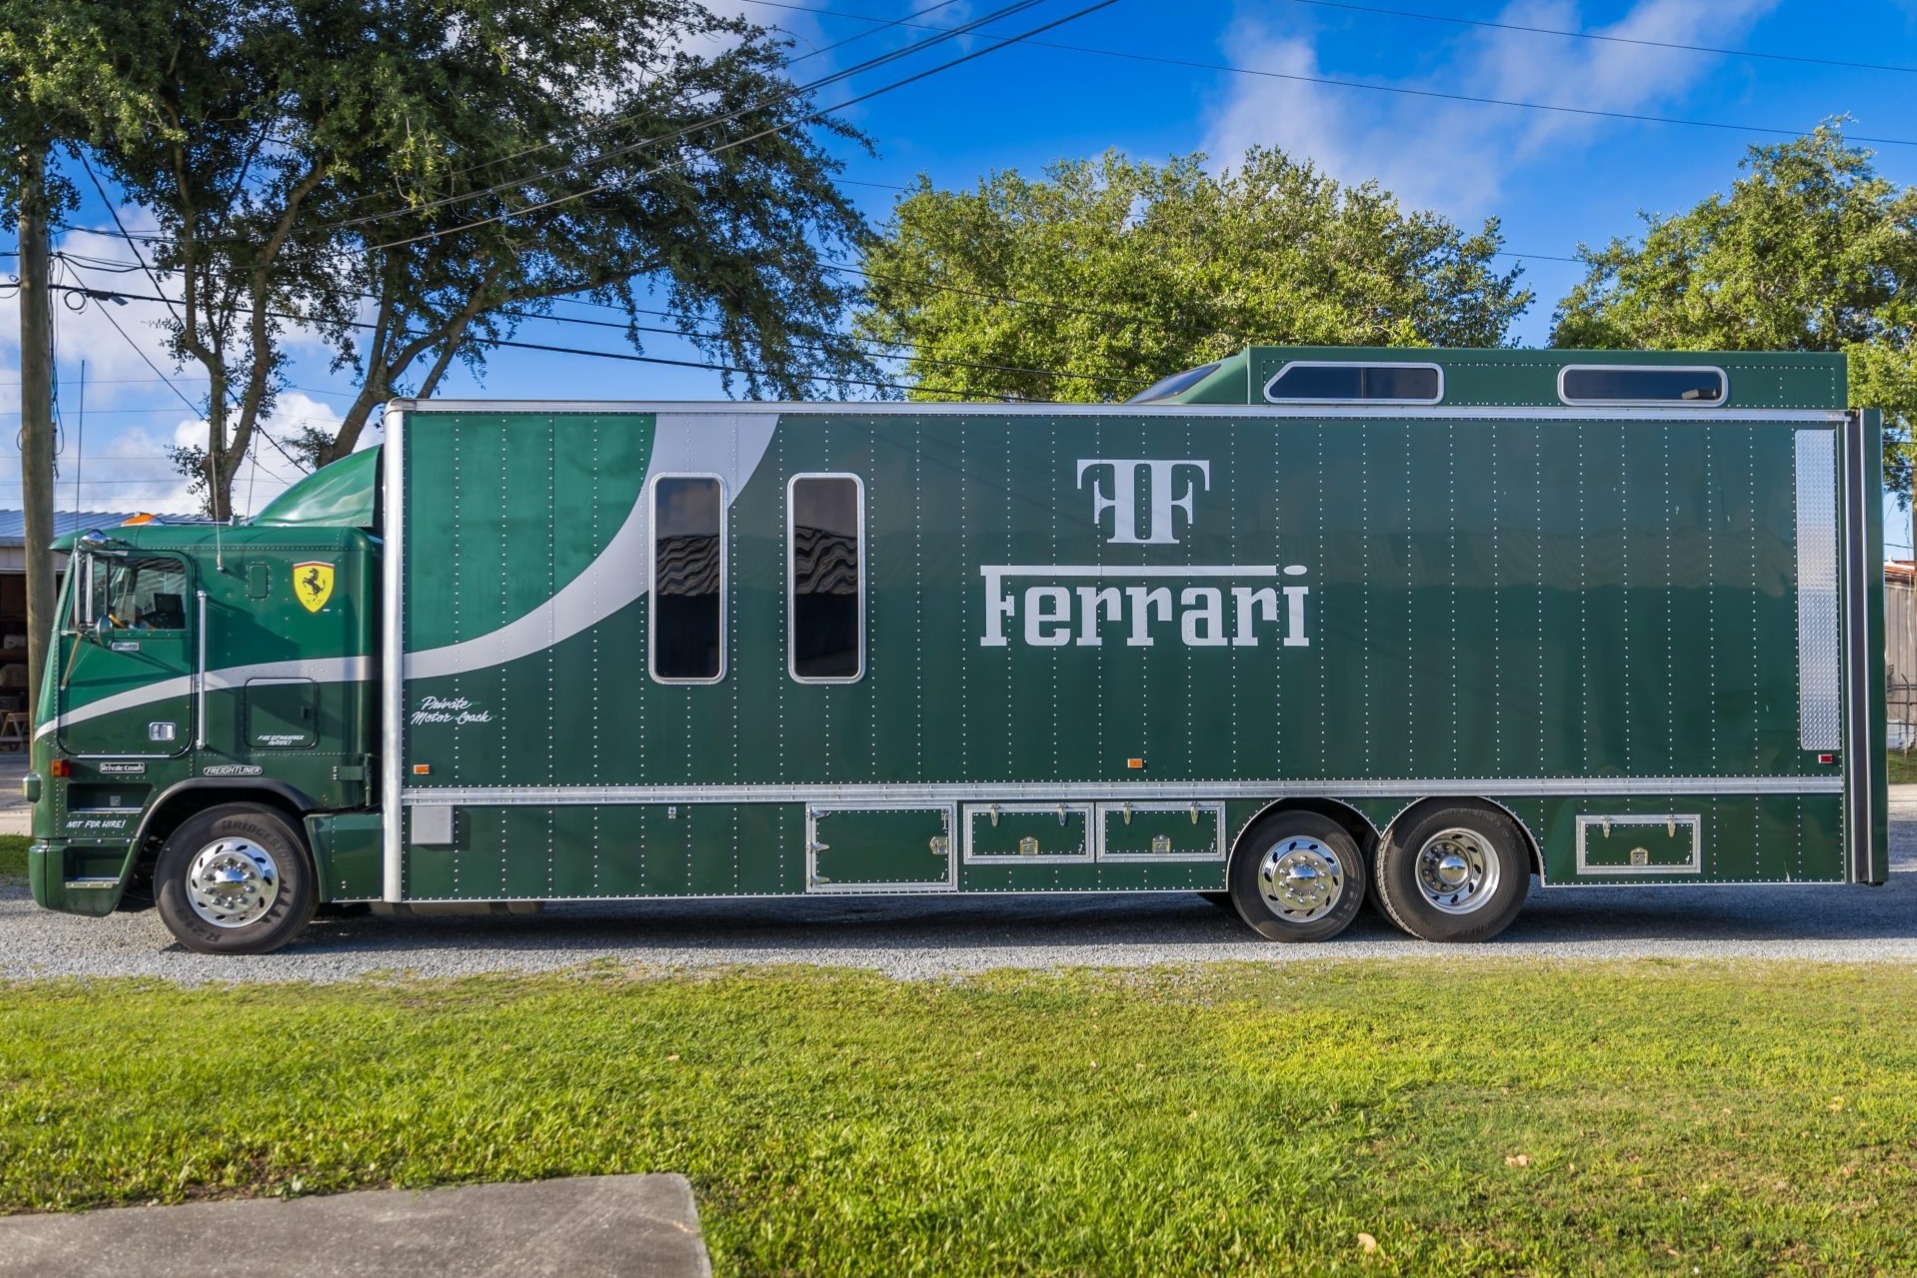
(133, 593)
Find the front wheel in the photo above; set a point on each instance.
(1298, 876)
(235, 880)
(1453, 873)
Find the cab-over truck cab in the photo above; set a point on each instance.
(205, 725)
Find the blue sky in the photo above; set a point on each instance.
(1555, 178)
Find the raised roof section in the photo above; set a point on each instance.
(1703, 381)
(340, 495)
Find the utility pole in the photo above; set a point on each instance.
(36, 412)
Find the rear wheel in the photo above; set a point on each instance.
(235, 880)
(1453, 873)
(1298, 876)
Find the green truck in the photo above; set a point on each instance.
(1297, 629)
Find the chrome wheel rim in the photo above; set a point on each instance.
(232, 882)
(1301, 879)
(1457, 871)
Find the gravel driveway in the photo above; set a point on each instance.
(921, 937)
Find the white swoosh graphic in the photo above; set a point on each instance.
(729, 445)
(318, 669)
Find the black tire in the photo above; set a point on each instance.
(1453, 872)
(1297, 876)
(269, 859)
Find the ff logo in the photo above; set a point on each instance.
(313, 585)
(1123, 501)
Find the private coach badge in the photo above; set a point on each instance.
(313, 584)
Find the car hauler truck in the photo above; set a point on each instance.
(1298, 627)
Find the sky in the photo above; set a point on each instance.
(1367, 90)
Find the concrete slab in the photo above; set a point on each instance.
(587, 1227)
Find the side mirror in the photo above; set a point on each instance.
(101, 629)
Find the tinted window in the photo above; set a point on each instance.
(1176, 384)
(1643, 385)
(688, 569)
(1356, 382)
(135, 594)
(828, 585)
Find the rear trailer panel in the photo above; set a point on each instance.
(1093, 645)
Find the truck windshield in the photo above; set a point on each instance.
(133, 594)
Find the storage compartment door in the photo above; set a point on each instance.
(1635, 844)
(282, 714)
(854, 849)
(1027, 833)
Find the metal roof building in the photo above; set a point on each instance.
(13, 529)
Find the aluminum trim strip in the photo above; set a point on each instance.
(391, 646)
(1862, 576)
(1117, 791)
(1819, 629)
(1255, 412)
(199, 679)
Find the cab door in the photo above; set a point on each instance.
(126, 656)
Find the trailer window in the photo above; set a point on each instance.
(132, 594)
(1611, 384)
(687, 635)
(825, 527)
(1353, 383)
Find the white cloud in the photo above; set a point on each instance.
(267, 471)
(1456, 156)
(125, 467)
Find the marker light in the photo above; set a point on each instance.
(1135, 764)
(422, 769)
(61, 768)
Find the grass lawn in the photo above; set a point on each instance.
(1903, 767)
(1471, 1116)
(13, 857)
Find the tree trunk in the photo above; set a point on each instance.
(36, 416)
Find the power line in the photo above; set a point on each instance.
(712, 151)
(1609, 39)
(109, 295)
(191, 406)
(148, 381)
(943, 34)
(882, 24)
(120, 226)
(929, 361)
(108, 316)
(1374, 88)
(923, 359)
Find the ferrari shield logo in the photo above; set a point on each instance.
(313, 584)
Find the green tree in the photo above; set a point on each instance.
(414, 179)
(1811, 251)
(1107, 275)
